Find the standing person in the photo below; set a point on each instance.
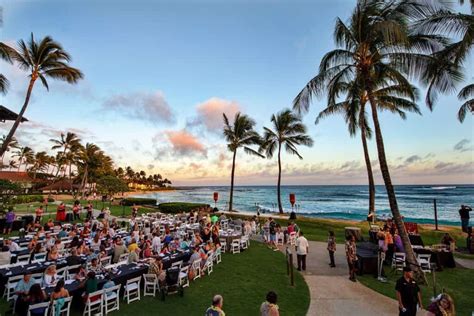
(408, 294)
(272, 231)
(331, 248)
(9, 219)
(443, 305)
(216, 307)
(61, 213)
(89, 209)
(302, 249)
(76, 209)
(134, 211)
(39, 214)
(464, 214)
(351, 255)
(270, 307)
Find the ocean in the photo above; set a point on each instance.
(336, 201)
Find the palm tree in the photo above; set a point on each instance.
(4, 55)
(42, 60)
(12, 145)
(24, 154)
(12, 165)
(288, 131)
(240, 134)
(40, 163)
(92, 163)
(68, 143)
(466, 94)
(370, 50)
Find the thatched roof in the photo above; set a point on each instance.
(16, 176)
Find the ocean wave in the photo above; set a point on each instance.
(443, 188)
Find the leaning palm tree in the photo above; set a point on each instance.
(370, 50)
(288, 132)
(42, 60)
(466, 94)
(12, 145)
(67, 143)
(240, 134)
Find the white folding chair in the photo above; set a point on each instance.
(23, 258)
(105, 261)
(62, 273)
(183, 276)
(218, 255)
(244, 242)
(223, 243)
(38, 277)
(235, 246)
(132, 290)
(424, 260)
(94, 304)
(123, 258)
(112, 299)
(292, 238)
(71, 272)
(280, 238)
(65, 309)
(177, 264)
(398, 261)
(150, 284)
(209, 264)
(35, 307)
(196, 266)
(10, 287)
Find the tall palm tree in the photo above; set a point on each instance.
(288, 132)
(24, 155)
(67, 143)
(4, 55)
(466, 94)
(41, 59)
(370, 50)
(240, 134)
(93, 163)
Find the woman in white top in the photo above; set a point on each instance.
(50, 277)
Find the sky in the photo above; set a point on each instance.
(159, 75)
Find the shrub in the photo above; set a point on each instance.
(21, 199)
(179, 207)
(138, 201)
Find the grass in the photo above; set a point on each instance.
(239, 279)
(456, 282)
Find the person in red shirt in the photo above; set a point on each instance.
(39, 214)
(75, 210)
(61, 212)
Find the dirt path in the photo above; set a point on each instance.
(333, 294)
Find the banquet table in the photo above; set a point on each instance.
(367, 255)
(443, 259)
(229, 236)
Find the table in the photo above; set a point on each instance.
(441, 258)
(416, 240)
(229, 236)
(367, 253)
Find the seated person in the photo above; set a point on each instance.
(133, 245)
(59, 291)
(156, 267)
(5, 256)
(108, 284)
(12, 246)
(22, 289)
(35, 296)
(90, 286)
(165, 250)
(73, 259)
(53, 254)
(134, 256)
(50, 277)
(447, 240)
(206, 234)
(95, 266)
(81, 273)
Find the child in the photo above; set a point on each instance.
(331, 248)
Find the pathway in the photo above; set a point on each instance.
(333, 294)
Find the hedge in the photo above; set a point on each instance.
(21, 199)
(138, 201)
(179, 207)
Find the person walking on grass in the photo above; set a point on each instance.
(272, 230)
(331, 248)
(351, 255)
(270, 307)
(302, 249)
(216, 307)
(408, 294)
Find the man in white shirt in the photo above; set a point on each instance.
(302, 249)
(156, 243)
(12, 246)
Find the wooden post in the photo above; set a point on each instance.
(435, 214)
(289, 263)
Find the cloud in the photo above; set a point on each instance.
(177, 143)
(209, 113)
(147, 106)
(462, 146)
(412, 159)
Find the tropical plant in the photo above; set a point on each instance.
(288, 132)
(92, 164)
(240, 134)
(12, 165)
(466, 94)
(24, 155)
(371, 48)
(12, 145)
(4, 55)
(42, 60)
(40, 162)
(69, 145)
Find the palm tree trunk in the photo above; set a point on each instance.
(370, 174)
(231, 197)
(83, 182)
(392, 199)
(9, 137)
(280, 207)
(19, 165)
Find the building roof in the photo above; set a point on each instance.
(61, 185)
(16, 176)
(7, 115)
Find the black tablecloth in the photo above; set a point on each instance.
(416, 240)
(443, 259)
(367, 253)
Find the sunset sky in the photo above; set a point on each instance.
(159, 75)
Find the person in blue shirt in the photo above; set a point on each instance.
(108, 284)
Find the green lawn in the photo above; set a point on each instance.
(239, 279)
(458, 283)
